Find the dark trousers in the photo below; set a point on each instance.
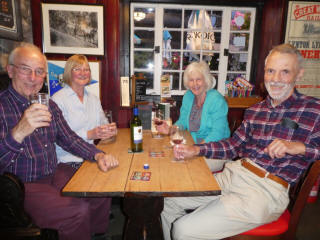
(74, 218)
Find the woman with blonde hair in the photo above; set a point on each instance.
(81, 108)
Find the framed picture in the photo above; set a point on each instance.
(72, 28)
(55, 77)
(10, 20)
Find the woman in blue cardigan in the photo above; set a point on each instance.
(204, 110)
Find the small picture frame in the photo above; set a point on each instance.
(55, 77)
(10, 20)
(73, 28)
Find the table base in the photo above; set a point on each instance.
(143, 218)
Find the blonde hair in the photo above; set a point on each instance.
(202, 68)
(72, 62)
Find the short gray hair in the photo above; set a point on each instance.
(287, 49)
(200, 67)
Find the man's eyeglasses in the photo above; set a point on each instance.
(25, 70)
(78, 70)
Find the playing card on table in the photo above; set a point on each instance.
(143, 176)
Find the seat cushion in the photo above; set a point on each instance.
(271, 229)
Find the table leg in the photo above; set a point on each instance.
(143, 218)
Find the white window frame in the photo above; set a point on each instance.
(158, 30)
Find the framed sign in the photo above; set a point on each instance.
(303, 32)
(72, 28)
(10, 20)
(55, 77)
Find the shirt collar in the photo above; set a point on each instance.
(71, 92)
(288, 102)
(17, 96)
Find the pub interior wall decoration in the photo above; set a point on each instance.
(10, 20)
(303, 32)
(55, 76)
(73, 28)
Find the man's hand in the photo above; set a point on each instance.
(183, 151)
(279, 148)
(35, 116)
(103, 131)
(106, 161)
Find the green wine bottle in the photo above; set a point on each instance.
(136, 131)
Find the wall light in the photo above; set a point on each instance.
(139, 16)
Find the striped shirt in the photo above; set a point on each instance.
(262, 124)
(35, 157)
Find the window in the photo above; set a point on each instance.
(166, 38)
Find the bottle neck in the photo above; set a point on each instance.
(135, 112)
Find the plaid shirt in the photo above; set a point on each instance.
(35, 157)
(262, 124)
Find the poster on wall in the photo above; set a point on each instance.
(303, 32)
(55, 77)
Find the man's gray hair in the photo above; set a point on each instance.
(15, 52)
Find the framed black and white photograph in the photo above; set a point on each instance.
(73, 28)
(10, 20)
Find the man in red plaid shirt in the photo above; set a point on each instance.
(277, 140)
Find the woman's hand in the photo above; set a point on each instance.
(164, 128)
(103, 131)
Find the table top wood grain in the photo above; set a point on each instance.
(168, 178)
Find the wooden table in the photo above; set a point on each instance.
(143, 200)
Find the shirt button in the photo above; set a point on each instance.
(46, 145)
(12, 161)
(21, 149)
(37, 130)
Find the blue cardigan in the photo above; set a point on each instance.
(214, 122)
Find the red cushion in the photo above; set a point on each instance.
(271, 229)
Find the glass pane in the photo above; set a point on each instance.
(189, 57)
(237, 62)
(171, 39)
(143, 59)
(172, 18)
(148, 76)
(187, 14)
(216, 19)
(171, 60)
(174, 78)
(216, 77)
(212, 60)
(239, 42)
(143, 17)
(143, 39)
(217, 39)
(240, 20)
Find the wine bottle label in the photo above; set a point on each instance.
(137, 134)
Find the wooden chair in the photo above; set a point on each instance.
(285, 227)
(15, 223)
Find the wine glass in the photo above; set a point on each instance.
(177, 136)
(158, 120)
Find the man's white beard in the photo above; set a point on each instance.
(283, 94)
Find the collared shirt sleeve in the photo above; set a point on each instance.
(69, 140)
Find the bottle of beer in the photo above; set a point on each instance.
(136, 131)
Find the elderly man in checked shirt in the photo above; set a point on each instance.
(28, 134)
(277, 140)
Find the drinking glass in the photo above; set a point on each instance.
(42, 98)
(108, 114)
(177, 136)
(158, 120)
(108, 120)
